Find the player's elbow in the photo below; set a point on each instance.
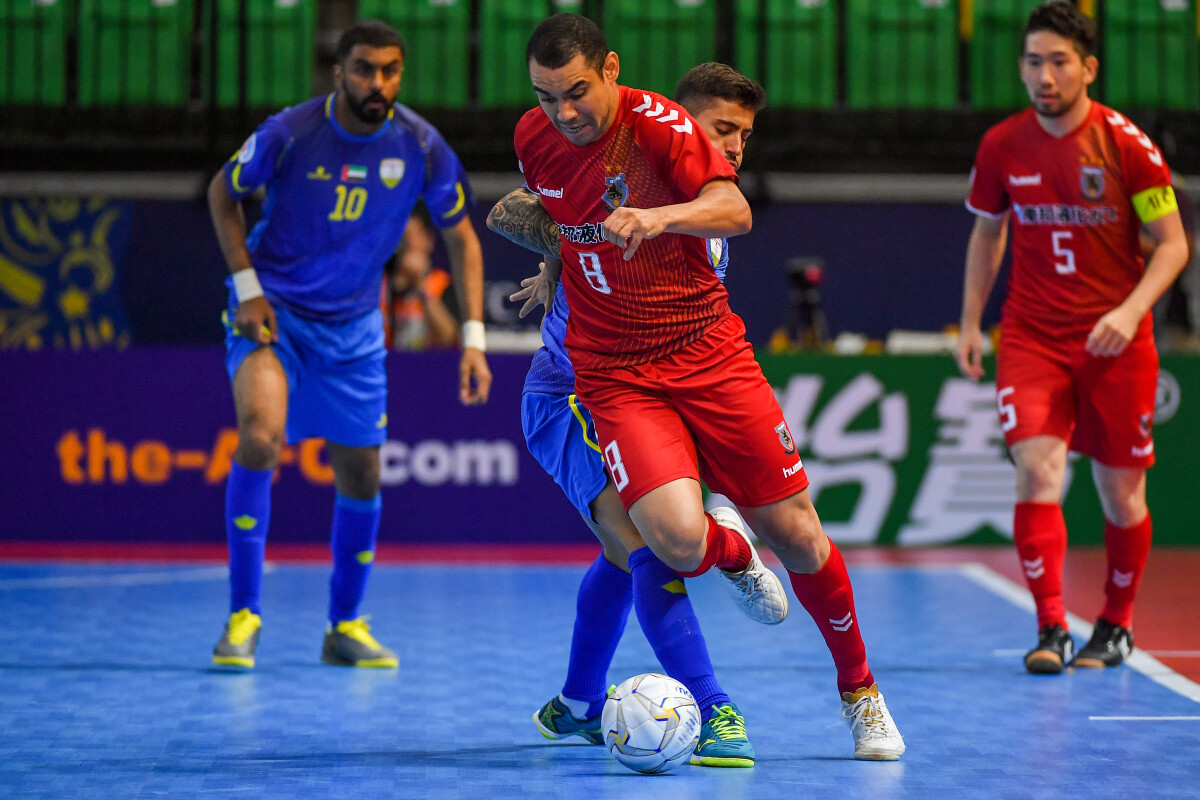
(493, 217)
(741, 218)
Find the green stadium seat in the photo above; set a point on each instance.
(279, 52)
(504, 28)
(993, 50)
(791, 50)
(659, 40)
(33, 39)
(1148, 54)
(437, 36)
(134, 52)
(901, 54)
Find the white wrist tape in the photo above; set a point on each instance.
(246, 285)
(473, 335)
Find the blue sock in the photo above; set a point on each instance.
(669, 622)
(601, 609)
(247, 516)
(352, 541)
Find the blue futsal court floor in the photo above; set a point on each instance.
(108, 693)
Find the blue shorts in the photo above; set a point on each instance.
(337, 379)
(560, 435)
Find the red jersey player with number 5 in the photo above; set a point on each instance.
(636, 189)
(1076, 366)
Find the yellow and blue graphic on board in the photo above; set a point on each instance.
(58, 273)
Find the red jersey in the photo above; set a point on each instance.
(624, 313)
(1077, 205)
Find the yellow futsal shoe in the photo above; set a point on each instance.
(351, 644)
(236, 648)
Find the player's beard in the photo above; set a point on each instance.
(371, 116)
(1061, 108)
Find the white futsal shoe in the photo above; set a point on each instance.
(875, 735)
(756, 590)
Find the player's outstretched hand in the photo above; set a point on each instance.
(1113, 332)
(474, 377)
(537, 290)
(969, 353)
(629, 227)
(255, 320)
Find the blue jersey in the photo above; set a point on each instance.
(551, 371)
(337, 203)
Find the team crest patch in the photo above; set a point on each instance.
(1146, 425)
(785, 438)
(617, 193)
(391, 170)
(246, 152)
(1091, 180)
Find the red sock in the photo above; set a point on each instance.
(1127, 551)
(828, 597)
(1040, 533)
(723, 548)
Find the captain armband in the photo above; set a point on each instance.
(1155, 203)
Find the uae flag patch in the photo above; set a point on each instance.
(352, 173)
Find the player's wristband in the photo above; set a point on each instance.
(473, 336)
(246, 285)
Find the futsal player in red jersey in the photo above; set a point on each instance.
(1076, 367)
(661, 361)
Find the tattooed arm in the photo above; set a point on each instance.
(519, 217)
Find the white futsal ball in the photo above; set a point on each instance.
(650, 723)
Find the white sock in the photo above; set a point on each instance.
(578, 708)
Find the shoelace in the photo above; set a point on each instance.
(241, 625)
(359, 630)
(728, 724)
(868, 714)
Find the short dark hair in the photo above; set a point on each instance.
(371, 32)
(560, 38)
(714, 81)
(1063, 18)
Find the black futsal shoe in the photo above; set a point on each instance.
(1109, 646)
(1054, 651)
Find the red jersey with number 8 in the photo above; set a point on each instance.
(624, 313)
(1077, 205)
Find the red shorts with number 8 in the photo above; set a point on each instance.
(703, 412)
(1102, 406)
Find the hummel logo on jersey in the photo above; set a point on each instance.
(1142, 452)
(557, 193)
(1034, 569)
(793, 469)
(842, 625)
(1122, 579)
(1129, 128)
(657, 115)
(1025, 180)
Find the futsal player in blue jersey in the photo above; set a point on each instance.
(304, 343)
(560, 435)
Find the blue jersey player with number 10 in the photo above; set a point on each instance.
(304, 345)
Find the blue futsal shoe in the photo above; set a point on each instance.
(723, 741)
(556, 721)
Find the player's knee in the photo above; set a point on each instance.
(259, 445)
(677, 546)
(360, 480)
(795, 534)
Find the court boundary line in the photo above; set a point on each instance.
(185, 575)
(1139, 661)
